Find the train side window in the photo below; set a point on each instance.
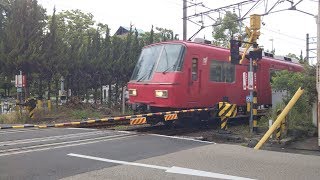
(229, 72)
(222, 72)
(215, 71)
(194, 69)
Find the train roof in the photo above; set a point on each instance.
(266, 55)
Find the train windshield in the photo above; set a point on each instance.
(160, 58)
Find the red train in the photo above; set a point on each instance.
(182, 74)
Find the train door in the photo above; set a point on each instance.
(194, 84)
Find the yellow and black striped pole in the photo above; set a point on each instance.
(226, 110)
(255, 112)
(255, 100)
(224, 121)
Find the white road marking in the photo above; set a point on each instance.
(174, 169)
(50, 138)
(127, 132)
(85, 129)
(58, 143)
(10, 131)
(193, 172)
(118, 162)
(183, 138)
(68, 145)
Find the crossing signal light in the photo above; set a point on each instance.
(256, 54)
(234, 51)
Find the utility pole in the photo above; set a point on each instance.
(184, 20)
(318, 70)
(271, 45)
(307, 47)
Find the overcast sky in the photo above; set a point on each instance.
(288, 29)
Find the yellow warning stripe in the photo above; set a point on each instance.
(75, 123)
(104, 119)
(233, 108)
(227, 110)
(91, 121)
(19, 126)
(137, 121)
(42, 126)
(59, 125)
(170, 117)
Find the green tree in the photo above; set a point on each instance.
(228, 28)
(23, 36)
(76, 30)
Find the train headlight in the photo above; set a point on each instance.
(161, 93)
(132, 92)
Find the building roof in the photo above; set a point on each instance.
(124, 30)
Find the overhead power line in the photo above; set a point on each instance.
(221, 10)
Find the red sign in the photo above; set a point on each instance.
(24, 81)
(21, 81)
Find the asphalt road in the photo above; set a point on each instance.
(103, 154)
(43, 154)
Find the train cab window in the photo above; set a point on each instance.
(222, 72)
(194, 71)
(171, 58)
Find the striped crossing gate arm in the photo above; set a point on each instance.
(134, 119)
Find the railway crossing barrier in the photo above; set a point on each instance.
(132, 118)
(280, 118)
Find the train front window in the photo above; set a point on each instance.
(146, 63)
(171, 58)
(160, 58)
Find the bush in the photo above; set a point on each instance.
(300, 116)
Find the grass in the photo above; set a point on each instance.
(14, 118)
(84, 114)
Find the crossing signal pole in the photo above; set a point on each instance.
(253, 33)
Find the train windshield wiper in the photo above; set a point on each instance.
(147, 74)
(167, 62)
(166, 70)
(142, 77)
